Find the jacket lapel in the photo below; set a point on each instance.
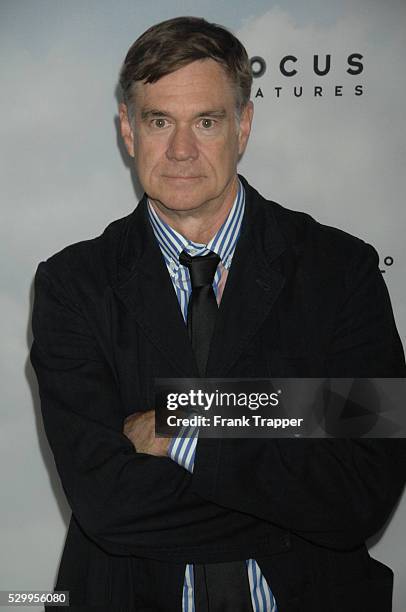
(145, 288)
(253, 286)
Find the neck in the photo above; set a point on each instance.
(201, 224)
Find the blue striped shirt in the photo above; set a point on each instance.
(183, 448)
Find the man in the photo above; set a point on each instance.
(210, 524)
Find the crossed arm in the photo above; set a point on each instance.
(129, 495)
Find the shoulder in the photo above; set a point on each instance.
(319, 244)
(93, 260)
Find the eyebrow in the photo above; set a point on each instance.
(154, 112)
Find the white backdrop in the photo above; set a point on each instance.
(64, 178)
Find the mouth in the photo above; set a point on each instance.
(181, 178)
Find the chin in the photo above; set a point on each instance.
(181, 203)
(181, 197)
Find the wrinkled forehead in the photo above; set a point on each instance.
(200, 85)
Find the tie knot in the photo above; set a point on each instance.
(201, 268)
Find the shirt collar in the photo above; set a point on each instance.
(223, 243)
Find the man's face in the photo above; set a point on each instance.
(185, 137)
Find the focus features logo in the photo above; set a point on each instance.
(290, 66)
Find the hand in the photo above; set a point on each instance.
(140, 430)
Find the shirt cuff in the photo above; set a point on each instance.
(182, 449)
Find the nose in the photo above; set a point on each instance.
(182, 144)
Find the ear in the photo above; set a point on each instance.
(247, 115)
(126, 129)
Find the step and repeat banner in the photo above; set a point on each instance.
(328, 139)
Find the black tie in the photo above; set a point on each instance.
(222, 587)
(218, 587)
(202, 308)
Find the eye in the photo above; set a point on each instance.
(207, 123)
(159, 122)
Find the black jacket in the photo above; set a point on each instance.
(301, 299)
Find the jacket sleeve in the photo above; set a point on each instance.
(335, 492)
(129, 503)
